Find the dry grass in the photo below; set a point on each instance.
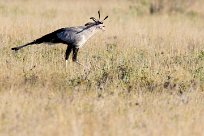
(150, 79)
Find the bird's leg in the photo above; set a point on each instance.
(74, 57)
(68, 51)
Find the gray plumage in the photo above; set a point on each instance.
(77, 35)
(73, 37)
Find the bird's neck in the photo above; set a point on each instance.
(90, 31)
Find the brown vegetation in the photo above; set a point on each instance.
(145, 73)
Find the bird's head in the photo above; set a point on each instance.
(97, 22)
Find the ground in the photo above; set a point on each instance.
(143, 76)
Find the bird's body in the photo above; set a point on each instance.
(76, 35)
(73, 37)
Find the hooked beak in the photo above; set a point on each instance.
(102, 28)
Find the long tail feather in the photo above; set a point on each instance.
(48, 38)
(19, 47)
(37, 41)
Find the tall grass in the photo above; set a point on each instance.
(143, 75)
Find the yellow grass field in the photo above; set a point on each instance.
(144, 75)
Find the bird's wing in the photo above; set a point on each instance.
(69, 35)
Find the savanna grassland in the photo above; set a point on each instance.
(144, 75)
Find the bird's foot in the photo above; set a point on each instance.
(67, 64)
(84, 66)
(79, 63)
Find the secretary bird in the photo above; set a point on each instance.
(73, 37)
